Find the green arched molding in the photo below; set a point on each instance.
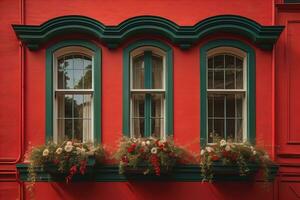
(113, 36)
(250, 86)
(169, 84)
(97, 85)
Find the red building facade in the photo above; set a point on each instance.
(265, 32)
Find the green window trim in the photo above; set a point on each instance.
(97, 86)
(250, 107)
(168, 81)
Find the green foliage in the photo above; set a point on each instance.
(150, 154)
(228, 153)
(68, 158)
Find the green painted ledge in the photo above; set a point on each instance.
(182, 173)
(34, 36)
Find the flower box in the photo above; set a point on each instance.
(147, 156)
(226, 159)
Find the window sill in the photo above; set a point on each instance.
(182, 173)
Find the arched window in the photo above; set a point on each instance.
(73, 88)
(227, 73)
(148, 90)
(73, 94)
(226, 94)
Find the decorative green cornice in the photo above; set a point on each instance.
(113, 36)
(183, 173)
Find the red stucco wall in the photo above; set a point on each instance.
(270, 120)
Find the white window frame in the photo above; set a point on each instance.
(238, 53)
(64, 52)
(159, 52)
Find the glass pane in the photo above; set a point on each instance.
(87, 107)
(71, 73)
(229, 61)
(239, 106)
(210, 102)
(219, 61)
(87, 63)
(68, 63)
(78, 106)
(138, 105)
(68, 129)
(219, 106)
(230, 129)
(78, 62)
(219, 79)
(138, 72)
(138, 127)
(239, 134)
(218, 128)
(60, 79)
(69, 79)
(210, 79)
(230, 106)
(239, 63)
(210, 63)
(157, 72)
(87, 129)
(87, 79)
(66, 105)
(61, 64)
(229, 79)
(78, 130)
(156, 127)
(157, 105)
(239, 79)
(210, 131)
(78, 79)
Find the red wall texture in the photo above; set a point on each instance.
(277, 105)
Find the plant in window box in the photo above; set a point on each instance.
(147, 156)
(67, 159)
(240, 159)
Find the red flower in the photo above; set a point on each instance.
(142, 150)
(56, 161)
(225, 153)
(215, 158)
(234, 156)
(131, 148)
(83, 167)
(124, 159)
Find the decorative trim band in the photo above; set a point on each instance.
(183, 36)
(182, 173)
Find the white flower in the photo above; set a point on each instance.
(154, 150)
(252, 148)
(223, 143)
(143, 143)
(202, 152)
(227, 148)
(209, 149)
(148, 142)
(78, 150)
(45, 152)
(58, 150)
(134, 140)
(254, 152)
(68, 148)
(266, 156)
(69, 143)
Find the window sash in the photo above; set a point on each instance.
(148, 92)
(225, 92)
(85, 136)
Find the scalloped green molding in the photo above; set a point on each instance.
(113, 36)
